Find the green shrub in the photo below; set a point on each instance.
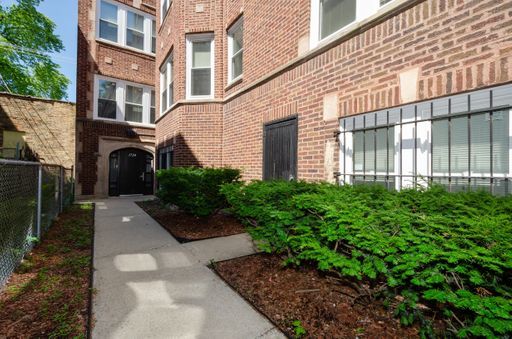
(444, 253)
(195, 190)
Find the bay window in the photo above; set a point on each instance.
(122, 101)
(331, 16)
(165, 158)
(200, 66)
(463, 141)
(235, 50)
(125, 26)
(152, 108)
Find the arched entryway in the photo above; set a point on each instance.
(130, 172)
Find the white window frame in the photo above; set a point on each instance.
(164, 9)
(165, 80)
(122, 26)
(121, 101)
(190, 39)
(364, 10)
(239, 24)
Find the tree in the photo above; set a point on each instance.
(27, 39)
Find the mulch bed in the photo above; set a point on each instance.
(186, 228)
(321, 304)
(48, 295)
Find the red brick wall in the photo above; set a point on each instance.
(452, 46)
(96, 57)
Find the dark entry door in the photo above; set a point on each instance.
(131, 172)
(280, 150)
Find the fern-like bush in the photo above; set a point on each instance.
(195, 190)
(448, 254)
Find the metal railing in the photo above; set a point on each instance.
(31, 196)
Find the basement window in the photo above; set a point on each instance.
(329, 17)
(200, 66)
(126, 27)
(123, 101)
(463, 141)
(235, 50)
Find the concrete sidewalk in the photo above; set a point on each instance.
(150, 286)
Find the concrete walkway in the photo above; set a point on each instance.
(150, 286)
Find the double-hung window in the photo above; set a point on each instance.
(126, 26)
(331, 16)
(108, 28)
(462, 141)
(152, 108)
(153, 36)
(165, 160)
(107, 100)
(235, 50)
(167, 84)
(123, 101)
(133, 103)
(200, 66)
(135, 30)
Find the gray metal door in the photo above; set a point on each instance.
(280, 150)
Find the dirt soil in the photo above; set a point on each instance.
(186, 228)
(48, 295)
(321, 304)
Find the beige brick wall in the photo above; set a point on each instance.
(49, 126)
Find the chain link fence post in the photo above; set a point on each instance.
(39, 198)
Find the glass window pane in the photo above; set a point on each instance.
(201, 81)
(237, 65)
(163, 103)
(391, 149)
(369, 154)
(134, 94)
(480, 144)
(152, 100)
(106, 109)
(171, 93)
(108, 12)
(335, 14)
(382, 150)
(201, 54)
(153, 36)
(383, 2)
(440, 146)
(238, 42)
(108, 31)
(358, 151)
(135, 21)
(107, 90)
(500, 142)
(134, 39)
(133, 113)
(459, 145)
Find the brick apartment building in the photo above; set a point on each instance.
(115, 97)
(392, 91)
(369, 90)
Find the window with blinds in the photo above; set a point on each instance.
(462, 142)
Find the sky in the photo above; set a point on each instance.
(64, 14)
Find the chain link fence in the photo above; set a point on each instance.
(31, 196)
